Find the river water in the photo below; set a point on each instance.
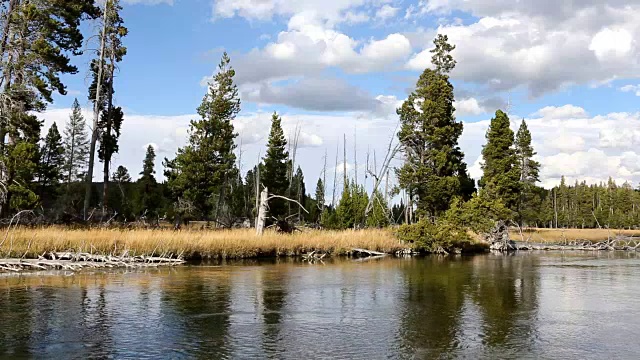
(528, 305)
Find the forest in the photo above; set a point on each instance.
(50, 174)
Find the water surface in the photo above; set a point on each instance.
(529, 305)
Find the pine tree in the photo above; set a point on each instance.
(149, 197)
(122, 194)
(276, 161)
(379, 216)
(434, 171)
(76, 145)
(501, 174)
(39, 37)
(529, 174)
(298, 192)
(200, 171)
(121, 175)
(320, 200)
(51, 159)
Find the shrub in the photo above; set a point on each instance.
(427, 236)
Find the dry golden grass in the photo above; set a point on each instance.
(227, 244)
(560, 235)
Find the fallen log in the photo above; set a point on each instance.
(367, 252)
(78, 261)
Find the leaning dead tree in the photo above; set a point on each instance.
(263, 208)
(378, 177)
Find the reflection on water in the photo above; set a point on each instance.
(544, 305)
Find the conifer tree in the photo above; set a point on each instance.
(275, 162)
(51, 159)
(76, 145)
(320, 194)
(121, 175)
(123, 193)
(434, 170)
(379, 216)
(529, 174)
(199, 172)
(501, 174)
(38, 40)
(149, 197)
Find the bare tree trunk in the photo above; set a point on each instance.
(344, 163)
(324, 184)
(262, 211)
(355, 156)
(335, 179)
(96, 114)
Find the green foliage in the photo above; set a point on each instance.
(199, 172)
(76, 145)
(379, 215)
(478, 214)
(501, 174)
(276, 161)
(427, 236)
(434, 171)
(22, 163)
(51, 158)
(351, 208)
(149, 196)
(530, 200)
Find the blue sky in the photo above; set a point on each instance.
(334, 67)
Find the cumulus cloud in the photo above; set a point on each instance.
(386, 12)
(562, 112)
(512, 44)
(469, 106)
(631, 88)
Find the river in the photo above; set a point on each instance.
(575, 305)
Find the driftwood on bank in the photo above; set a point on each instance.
(78, 261)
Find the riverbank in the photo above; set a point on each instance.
(559, 236)
(193, 245)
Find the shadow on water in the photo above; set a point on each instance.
(489, 306)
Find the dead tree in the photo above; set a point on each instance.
(263, 210)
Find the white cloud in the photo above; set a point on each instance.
(609, 43)
(631, 88)
(387, 12)
(517, 43)
(562, 112)
(469, 106)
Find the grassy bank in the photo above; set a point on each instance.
(561, 235)
(230, 244)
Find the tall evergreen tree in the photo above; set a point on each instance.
(123, 193)
(298, 191)
(76, 145)
(38, 40)
(320, 196)
(199, 172)
(276, 161)
(501, 174)
(434, 171)
(149, 196)
(529, 174)
(51, 159)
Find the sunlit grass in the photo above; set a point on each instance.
(560, 235)
(228, 244)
